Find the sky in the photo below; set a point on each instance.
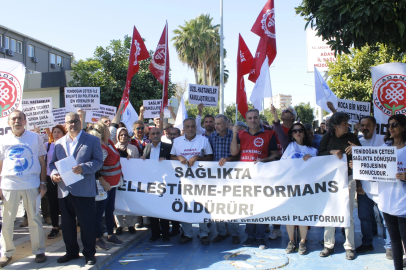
(80, 26)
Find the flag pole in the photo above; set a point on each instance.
(221, 61)
(164, 80)
(236, 113)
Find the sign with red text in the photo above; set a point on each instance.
(318, 52)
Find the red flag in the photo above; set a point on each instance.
(159, 66)
(138, 52)
(264, 27)
(244, 63)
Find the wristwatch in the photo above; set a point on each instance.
(43, 183)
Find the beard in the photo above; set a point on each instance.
(366, 132)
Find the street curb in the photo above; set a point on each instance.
(102, 262)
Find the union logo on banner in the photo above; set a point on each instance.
(268, 23)
(10, 93)
(389, 94)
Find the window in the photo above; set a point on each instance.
(32, 71)
(52, 58)
(58, 60)
(7, 43)
(19, 47)
(13, 45)
(31, 51)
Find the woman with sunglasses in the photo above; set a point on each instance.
(128, 151)
(299, 147)
(392, 195)
(335, 142)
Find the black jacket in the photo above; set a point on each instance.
(165, 151)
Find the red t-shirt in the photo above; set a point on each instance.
(257, 146)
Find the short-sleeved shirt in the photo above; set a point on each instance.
(221, 145)
(198, 146)
(256, 146)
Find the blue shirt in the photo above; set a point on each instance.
(316, 141)
(221, 145)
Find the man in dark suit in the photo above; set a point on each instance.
(78, 199)
(159, 151)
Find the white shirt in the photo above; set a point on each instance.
(199, 146)
(298, 151)
(392, 195)
(155, 151)
(71, 144)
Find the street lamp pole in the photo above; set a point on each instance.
(221, 60)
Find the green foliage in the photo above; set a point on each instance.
(347, 22)
(350, 77)
(107, 69)
(304, 112)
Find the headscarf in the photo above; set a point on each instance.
(119, 145)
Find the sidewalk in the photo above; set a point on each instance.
(55, 248)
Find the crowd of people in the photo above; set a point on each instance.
(29, 167)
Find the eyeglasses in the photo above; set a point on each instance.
(286, 110)
(393, 125)
(139, 128)
(301, 130)
(72, 122)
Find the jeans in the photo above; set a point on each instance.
(256, 230)
(386, 237)
(188, 229)
(366, 216)
(232, 227)
(107, 207)
(397, 232)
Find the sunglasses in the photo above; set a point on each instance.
(393, 125)
(286, 110)
(72, 122)
(139, 128)
(301, 130)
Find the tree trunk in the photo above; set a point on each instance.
(204, 74)
(211, 75)
(196, 76)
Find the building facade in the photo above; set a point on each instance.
(48, 68)
(279, 101)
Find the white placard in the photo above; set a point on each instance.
(153, 107)
(38, 112)
(208, 95)
(84, 98)
(376, 163)
(318, 52)
(105, 110)
(241, 192)
(59, 116)
(354, 109)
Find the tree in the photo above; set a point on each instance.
(350, 77)
(107, 69)
(347, 22)
(181, 88)
(304, 112)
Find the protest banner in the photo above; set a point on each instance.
(59, 116)
(84, 98)
(389, 88)
(153, 107)
(38, 112)
(208, 95)
(354, 109)
(105, 110)
(293, 192)
(12, 74)
(376, 163)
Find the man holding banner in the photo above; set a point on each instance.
(255, 144)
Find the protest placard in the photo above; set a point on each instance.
(84, 98)
(153, 107)
(354, 109)
(375, 163)
(38, 112)
(208, 95)
(236, 192)
(105, 110)
(59, 116)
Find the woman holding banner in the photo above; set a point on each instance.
(392, 195)
(57, 132)
(335, 142)
(128, 151)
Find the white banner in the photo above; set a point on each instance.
(38, 112)
(105, 110)
(318, 52)
(295, 192)
(84, 98)
(375, 163)
(389, 88)
(354, 109)
(153, 107)
(12, 74)
(59, 116)
(208, 95)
